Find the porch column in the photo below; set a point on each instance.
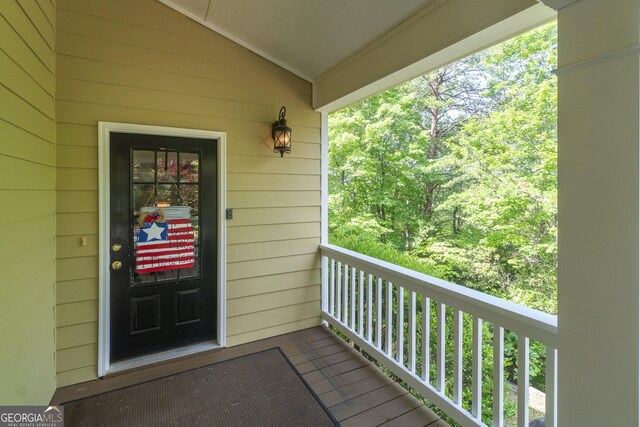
(599, 215)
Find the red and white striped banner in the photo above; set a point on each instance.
(162, 246)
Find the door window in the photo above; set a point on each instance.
(161, 180)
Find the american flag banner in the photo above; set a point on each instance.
(165, 243)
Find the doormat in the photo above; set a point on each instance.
(260, 389)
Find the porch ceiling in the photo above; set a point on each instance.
(305, 37)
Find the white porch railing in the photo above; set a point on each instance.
(359, 294)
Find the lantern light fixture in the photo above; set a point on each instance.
(281, 134)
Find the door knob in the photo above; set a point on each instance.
(116, 265)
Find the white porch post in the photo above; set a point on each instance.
(324, 210)
(599, 199)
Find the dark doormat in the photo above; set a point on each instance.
(261, 389)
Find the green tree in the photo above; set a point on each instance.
(459, 166)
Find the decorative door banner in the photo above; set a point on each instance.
(165, 239)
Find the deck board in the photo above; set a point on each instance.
(324, 362)
(318, 353)
(329, 384)
(365, 402)
(355, 391)
(418, 417)
(383, 413)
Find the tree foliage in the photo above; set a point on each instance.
(459, 167)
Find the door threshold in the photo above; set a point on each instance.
(161, 357)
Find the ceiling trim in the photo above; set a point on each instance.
(235, 39)
(502, 30)
(557, 4)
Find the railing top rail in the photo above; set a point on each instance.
(536, 324)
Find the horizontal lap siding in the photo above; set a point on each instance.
(27, 211)
(137, 61)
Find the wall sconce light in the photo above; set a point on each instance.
(281, 134)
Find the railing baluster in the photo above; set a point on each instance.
(551, 388)
(345, 296)
(361, 303)
(426, 338)
(457, 356)
(498, 376)
(379, 312)
(325, 284)
(369, 308)
(523, 381)
(412, 332)
(400, 326)
(332, 287)
(341, 299)
(441, 347)
(352, 325)
(476, 369)
(338, 290)
(389, 325)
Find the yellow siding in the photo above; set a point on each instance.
(77, 335)
(27, 211)
(241, 306)
(273, 317)
(262, 267)
(264, 216)
(261, 250)
(260, 232)
(272, 331)
(138, 61)
(273, 283)
(76, 313)
(77, 357)
(78, 375)
(77, 290)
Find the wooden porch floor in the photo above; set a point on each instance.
(355, 391)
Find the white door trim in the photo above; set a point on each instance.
(104, 132)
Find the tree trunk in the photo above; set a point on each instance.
(455, 220)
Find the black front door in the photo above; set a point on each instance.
(163, 243)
